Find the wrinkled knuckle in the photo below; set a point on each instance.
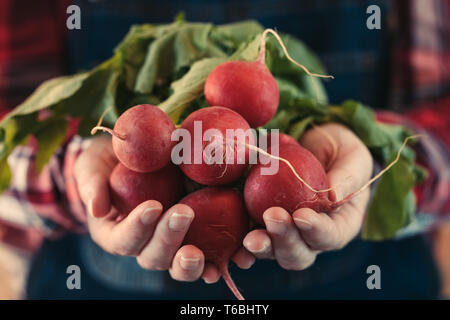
(144, 263)
(100, 242)
(305, 264)
(122, 250)
(335, 246)
(169, 239)
(291, 264)
(297, 262)
(294, 266)
(290, 239)
(288, 266)
(151, 264)
(339, 242)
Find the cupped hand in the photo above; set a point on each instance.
(295, 240)
(152, 236)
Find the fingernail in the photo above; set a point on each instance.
(207, 281)
(263, 248)
(189, 263)
(275, 226)
(303, 224)
(179, 221)
(251, 247)
(148, 216)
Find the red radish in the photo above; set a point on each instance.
(283, 189)
(301, 182)
(142, 138)
(219, 227)
(221, 119)
(245, 87)
(248, 87)
(282, 139)
(129, 188)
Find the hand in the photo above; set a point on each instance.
(295, 240)
(147, 233)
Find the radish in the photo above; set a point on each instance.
(220, 120)
(248, 87)
(245, 87)
(283, 189)
(282, 138)
(129, 188)
(141, 138)
(301, 182)
(219, 227)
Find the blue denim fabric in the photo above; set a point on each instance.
(407, 272)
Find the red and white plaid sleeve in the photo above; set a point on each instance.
(47, 203)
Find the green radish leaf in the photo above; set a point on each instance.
(15, 131)
(174, 50)
(89, 103)
(50, 136)
(392, 203)
(189, 88)
(49, 93)
(282, 120)
(237, 32)
(5, 174)
(362, 121)
(298, 128)
(298, 51)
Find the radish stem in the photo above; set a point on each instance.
(105, 129)
(262, 53)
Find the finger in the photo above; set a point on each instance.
(350, 172)
(348, 161)
(129, 235)
(322, 142)
(92, 170)
(210, 273)
(331, 231)
(243, 258)
(95, 194)
(169, 234)
(188, 264)
(259, 244)
(291, 252)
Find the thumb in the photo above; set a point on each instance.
(92, 170)
(349, 173)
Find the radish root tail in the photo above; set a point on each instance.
(291, 167)
(262, 54)
(230, 283)
(350, 196)
(377, 176)
(105, 129)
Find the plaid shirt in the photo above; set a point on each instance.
(48, 205)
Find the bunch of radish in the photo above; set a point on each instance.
(241, 95)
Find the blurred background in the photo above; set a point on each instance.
(402, 67)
